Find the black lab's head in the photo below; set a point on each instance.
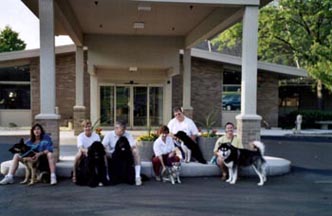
(96, 150)
(182, 136)
(122, 145)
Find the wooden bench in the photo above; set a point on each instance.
(324, 125)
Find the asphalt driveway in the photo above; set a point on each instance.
(307, 190)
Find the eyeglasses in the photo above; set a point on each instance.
(177, 114)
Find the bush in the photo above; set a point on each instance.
(308, 118)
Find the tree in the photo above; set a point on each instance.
(293, 32)
(10, 41)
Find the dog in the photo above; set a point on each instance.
(122, 163)
(235, 157)
(35, 171)
(190, 147)
(172, 173)
(92, 170)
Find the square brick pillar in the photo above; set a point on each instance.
(79, 116)
(188, 112)
(248, 128)
(52, 128)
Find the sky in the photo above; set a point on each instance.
(21, 20)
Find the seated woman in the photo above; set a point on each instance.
(164, 152)
(42, 144)
(229, 137)
(84, 141)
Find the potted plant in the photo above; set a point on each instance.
(145, 145)
(208, 138)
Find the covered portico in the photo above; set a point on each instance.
(138, 41)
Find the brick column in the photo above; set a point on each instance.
(51, 127)
(79, 116)
(188, 113)
(248, 129)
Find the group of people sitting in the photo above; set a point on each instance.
(164, 148)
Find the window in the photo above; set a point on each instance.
(15, 87)
(231, 93)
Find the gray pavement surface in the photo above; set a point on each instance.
(307, 190)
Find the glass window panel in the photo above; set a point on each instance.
(231, 97)
(156, 106)
(14, 96)
(122, 104)
(107, 105)
(140, 106)
(19, 73)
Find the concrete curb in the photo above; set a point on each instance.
(275, 166)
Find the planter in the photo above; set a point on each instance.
(145, 149)
(206, 144)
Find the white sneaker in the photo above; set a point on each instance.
(158, 178)
(53, 180)
(7, 180)
(138, 181)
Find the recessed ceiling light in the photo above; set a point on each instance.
(133, 69)
(143, 7)
(138, 25)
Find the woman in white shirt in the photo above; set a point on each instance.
(84, 141)
(164, 152)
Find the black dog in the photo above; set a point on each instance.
(122, 163)
(193, 146)
(234, 157)
(92, 169)
(35, 171)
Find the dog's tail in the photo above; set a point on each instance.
(260, 146)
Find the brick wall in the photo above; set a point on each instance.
(205, 89)
(65, 87)
(268, 98)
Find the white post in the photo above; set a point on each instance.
(186, 100)
(79, 76)
(249, 61)
(248, 122)
(47, 57)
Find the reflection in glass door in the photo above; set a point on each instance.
(122, 103)
(139, 106)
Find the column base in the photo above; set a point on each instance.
(51, 125)
(248, 128)
(79, 116)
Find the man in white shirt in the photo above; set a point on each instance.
(84, 141)
(182, 123)
(109, 143)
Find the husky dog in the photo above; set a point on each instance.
(234, 157)
(172, 173)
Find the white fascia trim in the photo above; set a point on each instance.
(15, 55)
(210, 2)
(235, 60)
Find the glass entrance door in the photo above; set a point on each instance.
(139, 106)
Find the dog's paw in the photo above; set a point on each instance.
(24, 181)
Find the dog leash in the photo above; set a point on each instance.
(28, 152)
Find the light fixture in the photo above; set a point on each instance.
(144, 7)
(133, 69)
(138, 25)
